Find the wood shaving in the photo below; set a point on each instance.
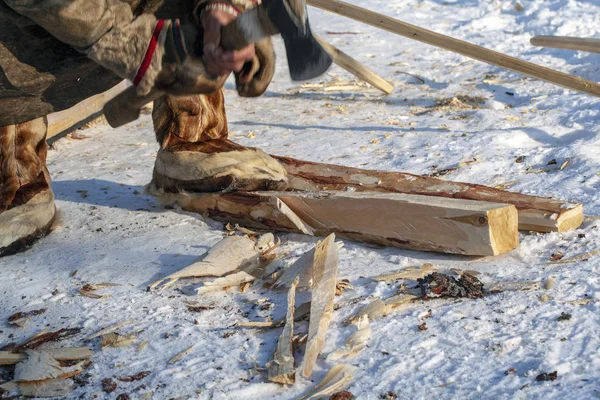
(338, 378)
(180, 355)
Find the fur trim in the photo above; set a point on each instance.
(31, 218)
(242, 164)
(239, 170)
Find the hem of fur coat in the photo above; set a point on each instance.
(247, 164)
(23, 221)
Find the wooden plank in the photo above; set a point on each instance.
(535, 213)
(354, 67)
(391, 219)
(63, 120)
(324, 271)
(458, 46)
(409, 221)
(568, 43)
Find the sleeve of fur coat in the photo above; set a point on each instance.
(256, 75)
(108, 33)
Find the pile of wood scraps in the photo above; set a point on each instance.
(254, 261)
(388, 208)
(44, 372)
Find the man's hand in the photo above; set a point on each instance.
(219, 61)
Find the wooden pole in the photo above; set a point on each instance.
(354, 67)
(458, 46)
(62, 121)
(568, 43)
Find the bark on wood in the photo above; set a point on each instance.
(355, 68)
(242, 208)
(568, 43)
(391, 219)
(409, 221)
(282, 369)
(324, 273)
(535, 213)
(458, 46)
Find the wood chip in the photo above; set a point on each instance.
(65, 354)
(38, 366)
(373, 310)
(324, 273)
(581, 302)
(338, 378)
(109, 329)
(115, 340)
(412, 273)
(281, 369)
(399, 300)
(44, 337)
(356, 342)
(257, 324)
(51, 388)
(577, 258)
(132, 378)
(301, 311)
(141, 346)
(21, 318)
(224, 257)
(89, 290)
(179, 355)
(235, 279)
(341, 286)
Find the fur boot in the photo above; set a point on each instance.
(195, 155)
(27, 208)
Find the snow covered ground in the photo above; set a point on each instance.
(112, 232)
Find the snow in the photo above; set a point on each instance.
(115, 233)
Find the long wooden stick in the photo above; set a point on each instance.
(354, 67)
(458, 46)
(568, 43)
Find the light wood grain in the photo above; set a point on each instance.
(282, 369)
(568, 43)
(458, 46)
(64, 354)
(63, 120)
(409, 221)
(324, 271)
(354, 67)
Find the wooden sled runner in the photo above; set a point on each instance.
(388, 208)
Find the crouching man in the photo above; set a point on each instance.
(56, 53)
